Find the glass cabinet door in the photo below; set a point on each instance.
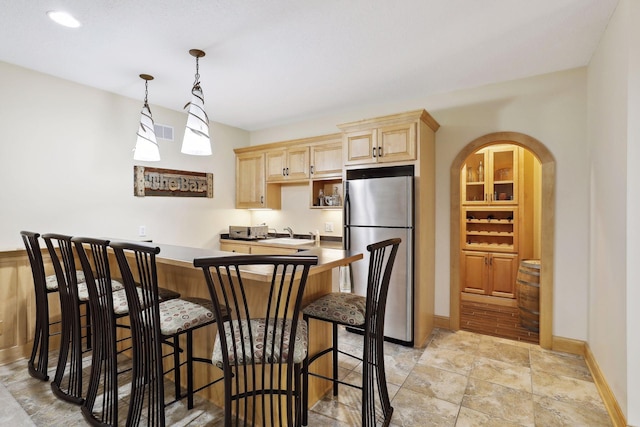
(474, 179)
(504, 170)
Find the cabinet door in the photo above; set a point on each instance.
(250, 181)
(473, 179)
(502, 177)
(359, 147)
(326, 160)
(272, 250)
(503, 270)
(298, 163)
(474, 272)
(276, 168)
(241, 248)
(396, 143)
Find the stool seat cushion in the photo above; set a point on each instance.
(271, 352)
(52, 281)
(341, 307)
(178, 314)
(83, 293)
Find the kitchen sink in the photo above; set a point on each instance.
(289, 241)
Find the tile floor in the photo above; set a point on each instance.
(459, 379)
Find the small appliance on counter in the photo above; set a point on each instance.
(255, 232)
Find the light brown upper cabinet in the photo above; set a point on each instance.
(288, 164)
(326, 160)
(490, 176)
(252, 191)
(383, 144)
(261, 170)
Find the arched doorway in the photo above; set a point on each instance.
(547, 220)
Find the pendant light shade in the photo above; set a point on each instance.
(146, 145)
(196, 134)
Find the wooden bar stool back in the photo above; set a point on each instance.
(365, 314)
(263, 343)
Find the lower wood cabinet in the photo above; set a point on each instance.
(489, 273)
(248, 248)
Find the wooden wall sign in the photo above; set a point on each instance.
(173, 183)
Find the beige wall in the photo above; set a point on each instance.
(614, 142)
(66, 165)
(551, 108)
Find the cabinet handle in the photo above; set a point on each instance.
(311, 169)
(283, 174)
(287, 171)
(373, 152)
(262, 200)
(379, 151)
(490, 260)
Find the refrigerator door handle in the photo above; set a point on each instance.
(347, 216)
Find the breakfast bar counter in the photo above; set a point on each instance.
(176, 272)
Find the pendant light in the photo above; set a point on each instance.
(196, 134)
(146, 145)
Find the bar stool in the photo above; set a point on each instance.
(153, 323)
(365, 314)
(262, 345)
(67, 383)
(43, 286)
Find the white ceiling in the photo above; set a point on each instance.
(271, 62)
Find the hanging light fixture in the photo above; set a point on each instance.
(146, 145)
(196, 134)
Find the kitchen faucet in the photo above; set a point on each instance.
(290, 231)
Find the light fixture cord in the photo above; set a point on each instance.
(197, 80)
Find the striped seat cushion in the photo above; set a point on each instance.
(340, 307)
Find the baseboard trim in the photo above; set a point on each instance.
(442, 322)
(11, 354)
(610, 402)
(568, 345)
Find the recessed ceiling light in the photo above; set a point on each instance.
(63, 18)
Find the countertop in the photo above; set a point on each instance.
(182, 256)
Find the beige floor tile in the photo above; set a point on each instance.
(470, 418)
(417, 410)
(456, 340)
(504, 352)
(557, 363)
(568, 390)
(550, 413)
(453, 360)
(502, 373)
(434, 382)
(499, 401)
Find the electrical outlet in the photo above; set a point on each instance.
(142, 231)
(328, 226)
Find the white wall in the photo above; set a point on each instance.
(551, 108)
(66, 165)
(614, 141)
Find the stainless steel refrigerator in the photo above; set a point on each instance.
(379, 205)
